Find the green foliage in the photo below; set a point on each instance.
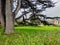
(32, 35)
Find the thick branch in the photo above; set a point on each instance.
(18, 7)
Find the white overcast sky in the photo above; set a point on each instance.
(55, 11)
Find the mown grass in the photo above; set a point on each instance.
(32, 35)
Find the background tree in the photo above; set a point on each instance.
(36, 7)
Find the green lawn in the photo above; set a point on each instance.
(32, 35)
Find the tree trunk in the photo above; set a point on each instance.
(1, 15)
(9, 18)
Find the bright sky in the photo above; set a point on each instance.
(55, 11)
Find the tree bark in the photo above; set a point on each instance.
(9, 18)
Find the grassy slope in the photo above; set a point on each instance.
(32, 35)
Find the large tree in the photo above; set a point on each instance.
(36, 7)
(7, 16)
